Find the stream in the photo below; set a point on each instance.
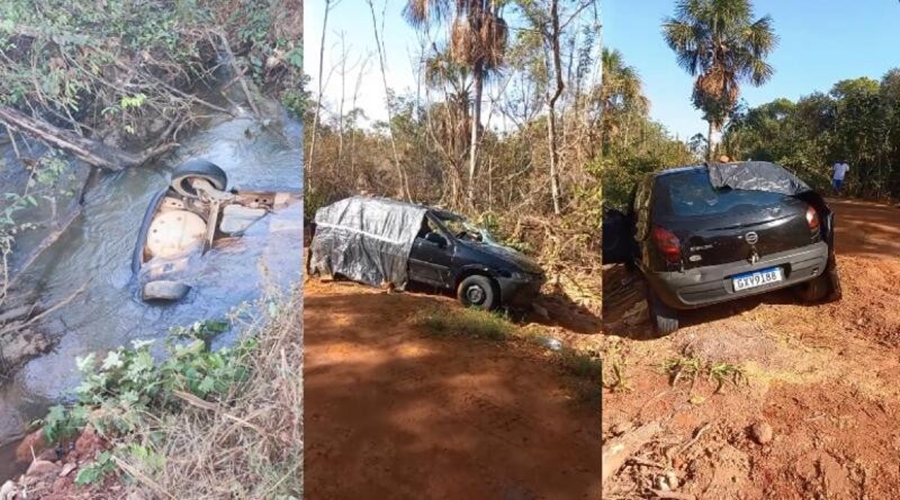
(96, 251)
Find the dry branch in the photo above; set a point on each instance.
(88, 150)
(617, 451)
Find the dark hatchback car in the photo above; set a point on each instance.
(452, 254)
(698, 245)
(379, 241)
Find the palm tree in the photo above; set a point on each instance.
(454, 80)
(718, 42)
(478, 41)
(621, 94)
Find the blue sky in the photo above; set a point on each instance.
(352, 20)
(821, 43)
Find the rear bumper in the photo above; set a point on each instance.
(516, 292)
(710, 285)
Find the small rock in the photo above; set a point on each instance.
(621, 428)
(8, 490)
(68, 468)
(662, 483)
(672, 479)
(761, 432)
(40, 468)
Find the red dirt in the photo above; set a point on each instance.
(825, 377)
(394, 412)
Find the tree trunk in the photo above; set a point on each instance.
(476, 122)
(551, 103)
(709, 142)
(315, 127)
(92, 152)
(403, 187)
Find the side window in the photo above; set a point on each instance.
(425, 229)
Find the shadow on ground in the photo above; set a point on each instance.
(394, 412)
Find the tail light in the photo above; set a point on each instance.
(667, 243)
(812, 219)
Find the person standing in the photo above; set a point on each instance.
(837, 179)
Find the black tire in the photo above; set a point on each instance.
(834, 280)
(815, 290)
(479, 292)
(663, 318)
(137, 256)
(197, 168)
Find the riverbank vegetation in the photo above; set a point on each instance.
(501, 126)
(224, 423)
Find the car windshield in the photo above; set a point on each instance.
(690, 194)
(464, 230)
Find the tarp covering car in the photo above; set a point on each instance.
(365, 239)
(756, 176)
(771, 177)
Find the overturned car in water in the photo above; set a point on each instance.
(381, 242)
(702, 235)
(188, 218)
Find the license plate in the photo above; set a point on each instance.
(757, 278)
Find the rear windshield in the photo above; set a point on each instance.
(690, 194)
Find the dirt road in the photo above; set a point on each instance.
(826, 378)
(394, 412)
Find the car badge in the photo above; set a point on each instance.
(751, 238)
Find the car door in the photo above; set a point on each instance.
(431, 256)
(640, 206)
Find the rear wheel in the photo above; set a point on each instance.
(814, 290)
(478, 291)
(835, 293)
(197, 169)
(663, 318)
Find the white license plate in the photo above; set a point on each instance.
(757, 278)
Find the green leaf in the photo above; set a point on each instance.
(113, 360)
(207, 385)
(86, 363)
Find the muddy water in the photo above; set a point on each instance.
(96, 251)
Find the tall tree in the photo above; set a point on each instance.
(719, 43)
(478, 40)
(621, 97)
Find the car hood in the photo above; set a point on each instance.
(524, 262)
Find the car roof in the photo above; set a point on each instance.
(675, 170)
(443, 214)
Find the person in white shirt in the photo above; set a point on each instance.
(837, 180)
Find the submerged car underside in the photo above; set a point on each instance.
(185, 220)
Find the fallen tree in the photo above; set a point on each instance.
(90, 151)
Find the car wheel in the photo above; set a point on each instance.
(835, 281)
(477, 291)
(663, 318)
(194, 169)
(814, 290)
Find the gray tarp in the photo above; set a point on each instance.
(365, 239)
(756, 176)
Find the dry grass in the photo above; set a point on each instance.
(250, 446)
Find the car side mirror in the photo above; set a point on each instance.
(437, 239)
